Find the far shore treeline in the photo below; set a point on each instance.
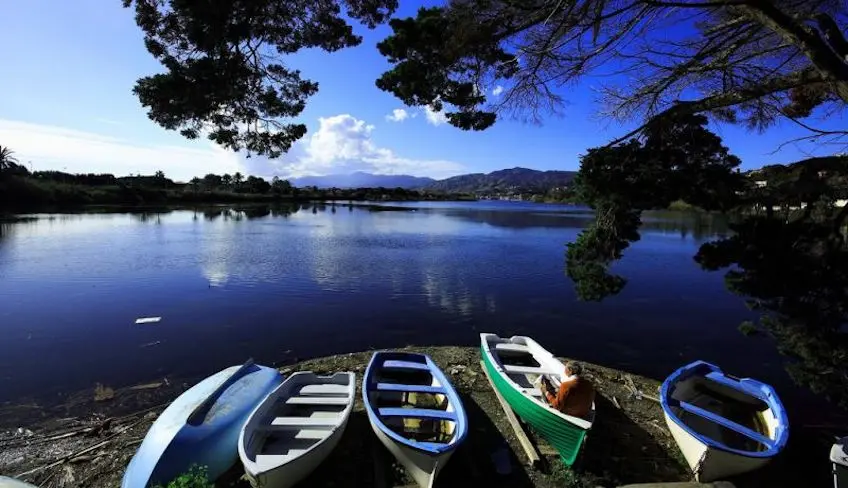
(21, 189)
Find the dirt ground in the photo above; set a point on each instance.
(89, 439)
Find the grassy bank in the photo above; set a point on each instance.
(628, 444)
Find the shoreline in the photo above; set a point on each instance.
(628, 444)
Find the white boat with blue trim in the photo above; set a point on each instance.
(414, 411)
(724, 425)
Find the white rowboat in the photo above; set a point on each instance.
(414, 411)
(295, 428)
(13, 483)
(723, 425)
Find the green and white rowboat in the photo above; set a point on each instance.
(515, 365)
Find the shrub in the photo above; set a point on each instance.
(195, 477)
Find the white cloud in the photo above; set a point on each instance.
(434, 117)
(399, 115)
(498, 90)
(75, 151)
(343, 144)
(106, 121)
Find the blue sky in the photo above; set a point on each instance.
(66, 104)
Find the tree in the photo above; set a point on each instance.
(678, 158)
(159, 175)
(7, 160)
(237, 179)
(227, 180)
(224, 73)
(791, 265)
(254, 184)
(796, 274)
(212, 181)
(280, 186)
(748, 61)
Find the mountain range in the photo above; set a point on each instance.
(360, 179)
(514, 179)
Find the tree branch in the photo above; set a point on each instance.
(731, 98)
(719, 4)
(832, 69)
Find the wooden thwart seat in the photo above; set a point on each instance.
(283, 423)
(317, 400)
(418, 413)
(397, 364)
(509, 368)
(326, 389)
(410, 388)
(510, 347)
(726, 423)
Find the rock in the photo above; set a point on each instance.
(22, 432)
(457, 369)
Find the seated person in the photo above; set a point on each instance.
(575, 394)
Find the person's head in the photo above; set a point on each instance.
(573, 368)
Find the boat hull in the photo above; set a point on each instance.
(707, 463)
(172, 445)
(293, 470)
(566, 437)
(423, 467)
(422, 460)
(13, 483)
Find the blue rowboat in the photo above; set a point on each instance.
(414, 411)
(201, 427)
(723, 425)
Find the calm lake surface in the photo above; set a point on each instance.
(287, 283)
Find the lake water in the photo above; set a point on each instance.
(280, 284)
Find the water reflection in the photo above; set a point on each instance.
(239, 280)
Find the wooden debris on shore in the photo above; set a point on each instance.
(529, 449)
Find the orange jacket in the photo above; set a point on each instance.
(574, 397)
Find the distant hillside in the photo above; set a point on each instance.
(362, 180)
(515, 179)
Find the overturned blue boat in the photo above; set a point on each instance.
(201, 427)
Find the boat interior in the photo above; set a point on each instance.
(412, 403)
(299, 418)
(723, 413)
(522, 367)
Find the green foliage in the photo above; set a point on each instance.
(589, 257)
(432, 66)
(52, 188)
(195, 477)
(7, 160)
(795, 273)
(224, 73)
(748, 328)
(452, 54)
(790, 265)
(281, 187)
(679, 158)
